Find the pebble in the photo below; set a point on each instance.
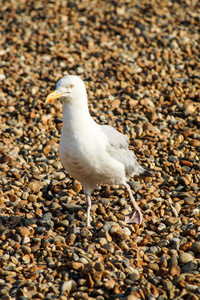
(171, 220)
(99, 267)
(23, 231)
(174, 271)
(185, 258)
(35, 186)
(134, 275)
(196, 247)
(68, 287)
(135, 186)
(58, 175)
(109, 284)
(167, 285)
(26, 249)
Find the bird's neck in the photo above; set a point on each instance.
(75, 116)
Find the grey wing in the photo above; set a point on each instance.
(118, 148)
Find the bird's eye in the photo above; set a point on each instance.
(71, 86)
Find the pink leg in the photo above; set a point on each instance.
(88, 204)
(136, 215)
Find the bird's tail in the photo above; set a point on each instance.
(142, 173)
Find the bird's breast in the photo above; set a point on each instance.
(86, 159)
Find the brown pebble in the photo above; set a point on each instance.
(26, 249)
(153, 266)
(186, 246)
(77, 187)
(109, 285)
(32, 198)
(117, 231)
(101, 210)
(35, 186)
(23, 231)
(13, 197)
(97, 276)
(116, 289)
(47, 149)
(99, 267)
(38, 211)
(71, 239)
(171, 220)
(185, 258)
(77, 266)
(108, 192)
(195, 143)
(133, 296)
(186, 163)
(5, 158)
(102, 251)
(89, 280)
(196, 247)
(174, 270)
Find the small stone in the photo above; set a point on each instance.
(167, 285)
(185, 258)
(135, 186)
(80, 296)
(77, 187)
(77, 266)
(63, 223)
(174, 260)
(89, 280)
(50, 262)
(109, 285)
(154, 266)
(134, 296)
(35, 186)
(195, 143)
(191, 288)
(161, 227)
(26, 249)
(54, 206)
(174, 270)
(24, 196)
(177, 207)
(189, 200)
(32, 198)
(5, 158)
(68, 287)
(13, 197)
(186, 163)
(127, 231)
(196, 247)
(59, 175)
(85, 232)
(171, 220)
(47, 149)
(99, 267)
(134, 275)
(116, 230)
(163, 261)
(23, 231)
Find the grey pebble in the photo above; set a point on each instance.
(135, 185)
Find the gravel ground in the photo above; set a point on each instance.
(140, 61)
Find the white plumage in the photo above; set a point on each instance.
(92, 153)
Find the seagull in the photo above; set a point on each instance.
(91, 153)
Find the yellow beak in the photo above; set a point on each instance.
(52, 96)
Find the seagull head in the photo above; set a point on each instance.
(68, 89)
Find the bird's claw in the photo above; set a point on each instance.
(134, 217)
